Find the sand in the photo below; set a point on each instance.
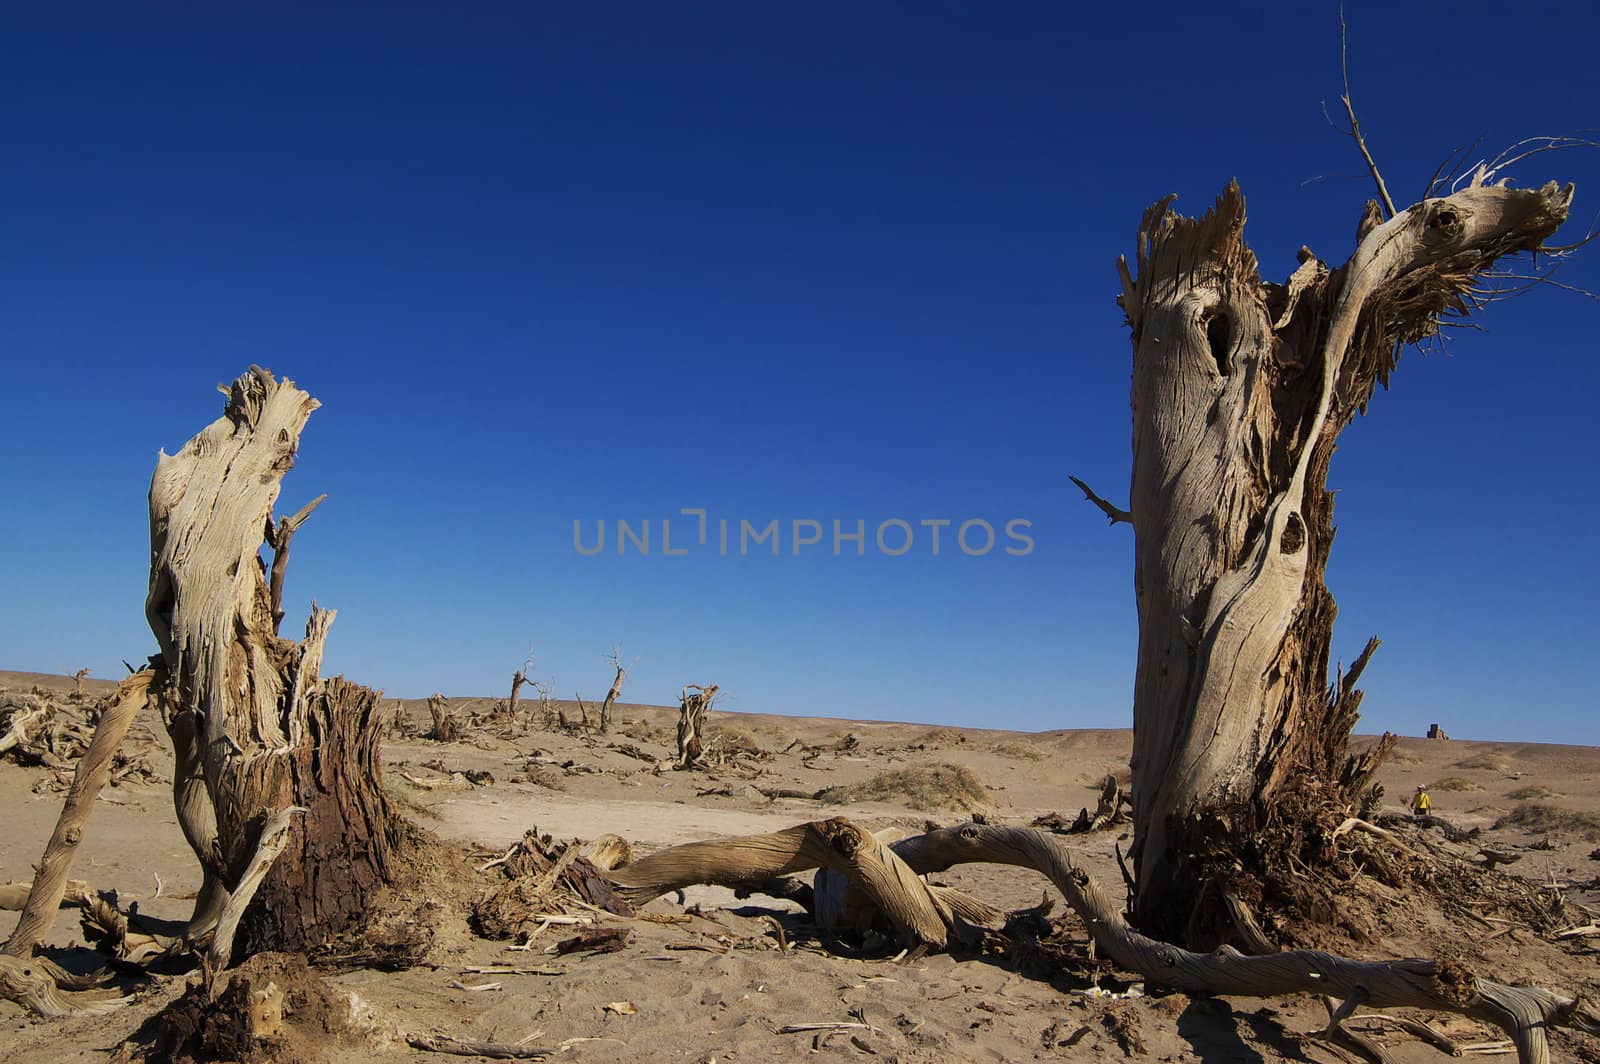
(698, 1005)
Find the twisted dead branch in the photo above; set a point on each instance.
(887, 878)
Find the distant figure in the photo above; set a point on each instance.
(1421, 802)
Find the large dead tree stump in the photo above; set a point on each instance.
(1241, 388)
(257, 733)
(344, 848)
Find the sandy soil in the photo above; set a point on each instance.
(698, 1005)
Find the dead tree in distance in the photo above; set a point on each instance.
(446, 729)
(693, 705)
(518, 678)
(615, 659)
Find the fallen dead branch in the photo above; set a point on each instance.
(916, 911)
(887, 879)
(23, 978)
(492, 1050)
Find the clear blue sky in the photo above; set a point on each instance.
(548, 262)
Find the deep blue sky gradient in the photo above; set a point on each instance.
(548, 262)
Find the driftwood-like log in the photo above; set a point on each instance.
(920, 915)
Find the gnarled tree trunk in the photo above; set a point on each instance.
(1240, 390)
(256, 730)
(693, 705)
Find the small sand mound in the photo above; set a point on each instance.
(926, 787)
(1489, 760)
(1537, 818)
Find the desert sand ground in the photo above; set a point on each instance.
(726, 997)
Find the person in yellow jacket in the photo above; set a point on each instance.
(1421, 802)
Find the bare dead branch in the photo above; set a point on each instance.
(278, 537)
(1107, 508)
(1355, 124)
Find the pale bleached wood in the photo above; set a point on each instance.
(242, 691)
(1524, 1012)
(50, 884)
(920, 915)
(1240, 390)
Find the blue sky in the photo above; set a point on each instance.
(558, 262)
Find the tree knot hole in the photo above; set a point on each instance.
(1448, 220)
(1219, 336)
(1294, 535)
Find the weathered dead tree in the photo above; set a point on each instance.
(1111, 809)
(551, 715)
(693, 705)
(1240, 390)
(446, 729)
(518, 678)
(615, 660)
(269, 756)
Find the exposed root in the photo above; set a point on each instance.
(886, 874)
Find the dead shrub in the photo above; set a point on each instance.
(1489, 760)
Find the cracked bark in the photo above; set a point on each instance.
(256, 730)
(1240, 390)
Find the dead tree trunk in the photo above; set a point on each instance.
(257, 732)
(445, 727)
(616, 689)
(1240, 390)
(518, 678)
(693, 706)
